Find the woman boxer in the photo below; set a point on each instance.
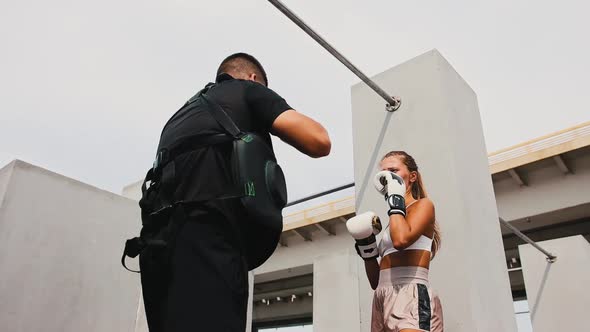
(403, 300)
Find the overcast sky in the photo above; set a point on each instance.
(86, 86)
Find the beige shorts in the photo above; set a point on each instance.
(404, 300)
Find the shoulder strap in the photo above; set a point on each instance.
(222, 118)
(200, 93)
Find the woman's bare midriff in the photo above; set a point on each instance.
(419, 258)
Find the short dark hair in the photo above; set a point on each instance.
(242, 62)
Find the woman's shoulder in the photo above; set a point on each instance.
(424, 203)
(424, 207)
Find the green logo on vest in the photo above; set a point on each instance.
(250, 190)
(247, 138)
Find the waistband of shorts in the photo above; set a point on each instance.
(403, 275)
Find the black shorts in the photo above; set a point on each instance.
(205, 285)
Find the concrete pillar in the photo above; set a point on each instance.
(557, 292)
(335, 293)
(141, 320)
(365, 297)
(250, 297)
(60, 243)
(439, 125)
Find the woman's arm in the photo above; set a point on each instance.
(372, 270)
(363, 227)
(406, 230)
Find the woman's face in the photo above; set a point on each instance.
(396, 165)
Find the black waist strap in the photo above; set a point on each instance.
(134, 246)
(186, 145)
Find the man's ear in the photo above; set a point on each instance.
(255, 78)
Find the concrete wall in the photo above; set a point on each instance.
(336, 299)
(340, 286)
(250, 304)
(5, 173)
(60, 248)
(557, 292)
(133, 191)
(439, 124)
(140, 320)
(300, 252)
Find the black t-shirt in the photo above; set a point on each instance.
(206, 171)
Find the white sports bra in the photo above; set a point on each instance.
(386, 245)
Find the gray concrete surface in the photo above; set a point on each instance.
(336, 296)
(60, 248)
(557, 292)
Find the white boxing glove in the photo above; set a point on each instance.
(363, 228)
(393, 188)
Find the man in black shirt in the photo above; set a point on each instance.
(204, 286)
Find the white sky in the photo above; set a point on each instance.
(86, 86)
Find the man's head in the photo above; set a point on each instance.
(243, 66)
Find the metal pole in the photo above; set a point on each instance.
(550, 257)
(301, 200)
(393, 103)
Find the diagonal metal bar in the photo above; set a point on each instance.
(550, 257)
(393, 103)
(304, 199)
